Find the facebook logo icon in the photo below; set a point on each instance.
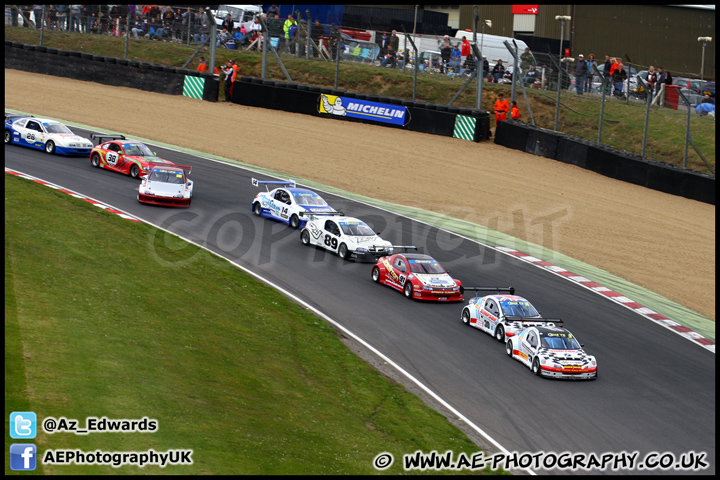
(23, 425)
(23, 456)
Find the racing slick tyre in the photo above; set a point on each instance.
(8, 136)
(466, 317)
(508, 348)
(536, 367)
(305, 237)
(257, 209)
(500, 333)
(95, 160)
(294, 221)
(50, 147)
(408, 289)
(134, 171)
(343, 252)
(376, 274)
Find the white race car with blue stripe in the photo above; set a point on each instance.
(285, 204)
(349, 237)
(44, 134)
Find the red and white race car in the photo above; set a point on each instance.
(125, 156)
(166, 185)
(418, 276)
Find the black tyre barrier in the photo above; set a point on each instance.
(52, 51)
(74, 54)
(41, 48)
(63, 53)
(607, 161)
(303, 87)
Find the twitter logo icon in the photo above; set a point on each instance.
(23, 425)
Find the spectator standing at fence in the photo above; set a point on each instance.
(273, 10)
(289, 27)
(498, 71)
(606, 67)
(485, 67)
(661, 77)
(465, 50)
(526, 59)
(589, 79)
(394, 41)
(668, 78)
(230, 70)
(275, 28)
(515, 111)
(74, 22)
(38, 15)
(62, 14)
(618, 77)
(501, 108)
(90, 14)
(51, 19)
(228, 23)
(580, 74)
(456, 55)
(317, 32)
(651, 79)
(445, 52)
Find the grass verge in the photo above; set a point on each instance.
(247, 379)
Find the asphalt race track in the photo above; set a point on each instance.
(655, 391)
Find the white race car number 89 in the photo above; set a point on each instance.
(111, 158)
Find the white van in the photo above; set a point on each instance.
(241, 14)
(493, 47)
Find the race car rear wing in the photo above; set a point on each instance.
(284, 183)
(404, 247)
(510, 290)
(537, 321)
(188, 168)
(311, 214)
(101, 137)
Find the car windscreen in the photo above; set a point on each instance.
(309, 198)
(57, 128)
(518, 308)
(137, 150)
(425, 266)
(166, 176)
(356, 229)
(559, 341)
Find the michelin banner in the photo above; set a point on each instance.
(363, 109)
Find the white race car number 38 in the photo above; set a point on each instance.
(111, 158)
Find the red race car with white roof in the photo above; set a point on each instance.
(125, 156)
(418, 276)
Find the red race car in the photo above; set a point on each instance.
(418, 276)
(125, 156)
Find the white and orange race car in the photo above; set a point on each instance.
(552, 351)
(499, 315)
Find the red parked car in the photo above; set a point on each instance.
(419, 277)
